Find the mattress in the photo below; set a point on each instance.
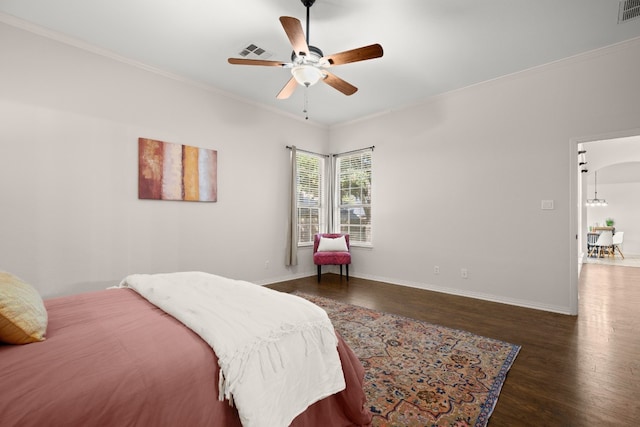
(111, 358)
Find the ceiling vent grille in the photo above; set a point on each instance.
(251, 51)
(629, 9)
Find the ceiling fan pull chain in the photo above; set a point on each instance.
(306, 103)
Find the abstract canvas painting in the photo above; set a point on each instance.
(168, 171)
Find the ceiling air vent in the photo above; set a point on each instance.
(629, 9)
(251, 51)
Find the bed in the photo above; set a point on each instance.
(112, 358)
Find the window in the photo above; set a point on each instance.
(310, 205)
(353, 204)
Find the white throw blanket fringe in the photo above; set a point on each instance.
(277, 352)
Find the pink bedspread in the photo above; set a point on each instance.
(111, 358)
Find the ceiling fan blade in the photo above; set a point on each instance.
(288, 89)
(293, 28)
(244, 61)
(339, 84)
(355, 55)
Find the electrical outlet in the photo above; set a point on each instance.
(464, 273)
(436, 269)
(266, 265)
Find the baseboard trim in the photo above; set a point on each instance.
(451, 291)
(476, 295)
(272, 280)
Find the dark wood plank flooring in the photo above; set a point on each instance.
(571, 371)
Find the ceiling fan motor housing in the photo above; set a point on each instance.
(314, 56)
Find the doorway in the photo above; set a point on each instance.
(616, 158)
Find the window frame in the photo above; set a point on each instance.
(321, 206)
(366, 156)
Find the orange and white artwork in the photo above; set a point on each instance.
(168, 171)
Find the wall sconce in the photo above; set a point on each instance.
(582, 160)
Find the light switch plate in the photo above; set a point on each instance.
(547, 205)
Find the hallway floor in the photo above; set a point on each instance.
(628, 261)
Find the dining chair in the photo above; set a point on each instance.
(603, 244)
(617, 241)
(592, 238)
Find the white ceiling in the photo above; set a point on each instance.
(430, 46)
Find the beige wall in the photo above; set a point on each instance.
(459, 179)
(71, 219)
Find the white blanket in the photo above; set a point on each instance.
(277, 352)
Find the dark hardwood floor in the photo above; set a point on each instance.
(571, 371)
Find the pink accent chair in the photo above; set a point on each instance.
(332, 257)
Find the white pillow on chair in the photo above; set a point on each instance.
(327, 244)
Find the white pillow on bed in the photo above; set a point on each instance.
(338, 244)
(23, 316)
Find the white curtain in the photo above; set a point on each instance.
(291, 256)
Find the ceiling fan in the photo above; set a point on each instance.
(308, 64)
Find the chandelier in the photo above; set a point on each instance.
(595, 201)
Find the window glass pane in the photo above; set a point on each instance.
(353, 179)
(309, 196)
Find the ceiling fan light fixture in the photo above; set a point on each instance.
(306, 75)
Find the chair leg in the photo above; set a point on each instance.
(619, 251)
(340, 270)
(318, 273)
(348, 272)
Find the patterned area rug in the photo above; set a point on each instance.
(421, 374)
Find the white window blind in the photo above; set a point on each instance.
(353, 204)
(310, 196)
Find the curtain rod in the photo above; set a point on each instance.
(329, 155)
(306, 151)
(355, 151)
